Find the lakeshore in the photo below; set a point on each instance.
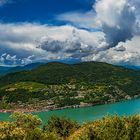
(83, 105)
(86, 114)
(45, 110)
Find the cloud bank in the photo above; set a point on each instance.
(117, 19)
(25, 43)
(114, 37)
(120, 22)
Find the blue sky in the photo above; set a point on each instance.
(43, 11)
(71, 30)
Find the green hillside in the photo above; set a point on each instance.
(61, 84)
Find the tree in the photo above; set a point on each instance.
(26, 121)
(62, 126)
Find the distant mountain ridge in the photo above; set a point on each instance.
(6, 70)
(132, 67)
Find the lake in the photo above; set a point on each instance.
(129, 107)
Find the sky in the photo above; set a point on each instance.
(74, 30)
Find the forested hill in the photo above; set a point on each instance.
(56, 85)
(90, 73)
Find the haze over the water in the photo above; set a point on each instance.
(85, 30)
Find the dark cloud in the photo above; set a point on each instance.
(53, 46)
(118, 22)
(120, 48)
(73, 47)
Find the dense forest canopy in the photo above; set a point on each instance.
(27, 127)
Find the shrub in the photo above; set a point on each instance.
(62, 126)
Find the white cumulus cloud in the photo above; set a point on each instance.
(119, 20)
(21, 41)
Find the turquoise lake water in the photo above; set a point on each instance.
(86, 114)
